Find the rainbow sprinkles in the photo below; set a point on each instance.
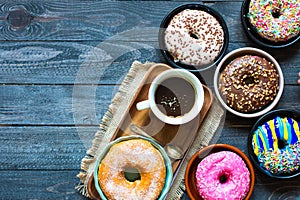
(275, 20)
(276, 144)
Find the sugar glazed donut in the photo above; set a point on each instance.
(140, 156)
(277, 147)
(222, 174)
(249, 83)
(275, 20)
(194, 37)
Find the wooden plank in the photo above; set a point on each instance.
(60, 185)
(90, 20)
(44, 147)
(62, 147)
(235, 136)
(101, 63)
(35, 184)
(69, 63)
(59, 104)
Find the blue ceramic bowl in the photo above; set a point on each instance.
(169, 172)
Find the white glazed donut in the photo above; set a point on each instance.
(136, 154)
(194, 37)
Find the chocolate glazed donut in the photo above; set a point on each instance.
(249, 83)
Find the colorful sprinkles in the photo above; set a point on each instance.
(249, 83)
(281, 162)
(276, 144)
(275, 20)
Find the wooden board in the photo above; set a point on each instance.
(177, 135)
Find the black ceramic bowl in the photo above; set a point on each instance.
(254, 36)
(164, 24)
(269, 116)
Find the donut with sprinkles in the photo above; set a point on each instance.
(276, 143)
(275, 20)
(194, 37)
(249, 83)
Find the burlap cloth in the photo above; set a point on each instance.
(117, 110)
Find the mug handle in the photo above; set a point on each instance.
(143, 105)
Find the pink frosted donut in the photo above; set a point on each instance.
(223, 174)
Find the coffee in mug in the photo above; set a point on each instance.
(175, 97)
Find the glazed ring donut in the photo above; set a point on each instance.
(275, 20)
(194, 37)
(249, 83)
(136, 155)
(277, 147)
(222, 174)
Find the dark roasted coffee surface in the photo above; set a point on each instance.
(175, 97)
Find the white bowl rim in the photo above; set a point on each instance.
(263, 54)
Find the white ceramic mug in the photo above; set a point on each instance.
(174, 73)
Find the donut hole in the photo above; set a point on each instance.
(131, 174)
(249, 80)
(282, 144)
(193, 35)
(276, 13)
(223, 178)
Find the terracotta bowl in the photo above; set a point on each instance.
(190, 178)
(269, 116)
(165, 22)
(168, 165)
(238, 53)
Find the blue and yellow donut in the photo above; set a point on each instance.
(276, 144)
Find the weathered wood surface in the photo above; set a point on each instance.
(61, 63)
(54, 104)
(89, 20)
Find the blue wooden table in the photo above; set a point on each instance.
(61, 63)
